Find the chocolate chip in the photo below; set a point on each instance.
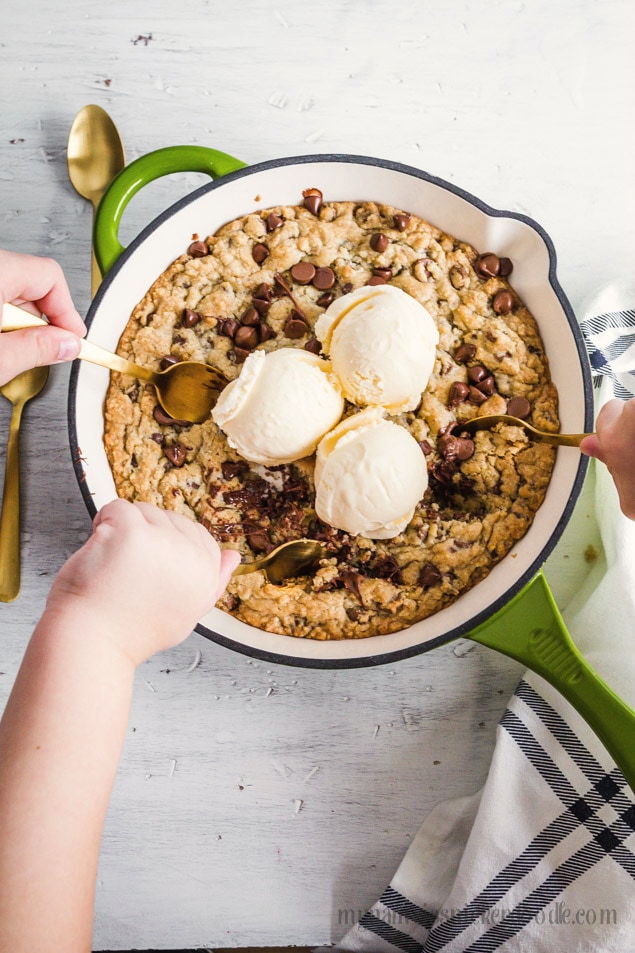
(246, 337)
(458, 276)
(313, 346)
(487, 265)
(265, 332)
(259, 541)
(313, 199)
(448, 446)
(295, 326)
(227, 327)
(189, 318)
(400, 221)
(379, 242)
(458, 393)
(444, 471)
(261, 306)
(162, 418)
(503, 302)
(176, 454)
(429, 576)
(376, 280)
(453, 448)
(168, 361)
(519, 407)
(282, 286)
(198, 249)
(259, 252)
(352, 582)
(324, 279)
(421, 269)
(487, 386)
(465, 353)
(240, 355)
(476, 396)
(326, 299)
(273, 221)
(303, 272)
(233, 468)
(158, 438)
(426, 447)
(506, 267)
(347, 288)
(385, 567)
(385, 273)
(466, 448)
(250, 317)
(476, 373)
(263, 292)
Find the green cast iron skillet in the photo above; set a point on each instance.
(521, 619)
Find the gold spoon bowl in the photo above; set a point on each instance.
(94, 157)
(186, 391)
(296, 558)
(487, 422)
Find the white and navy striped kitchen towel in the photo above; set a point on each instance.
(542, 860)
(609, 333)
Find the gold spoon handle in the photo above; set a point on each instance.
(243, 568)
(17, 319)
(95, 274)
(10, 517)
(539, 436)
(562, 439)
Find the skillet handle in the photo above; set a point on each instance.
(531, 630)
(130, 180)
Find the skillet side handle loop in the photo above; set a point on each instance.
(130, 180)
(531, 630)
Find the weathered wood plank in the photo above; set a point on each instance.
(254, 803)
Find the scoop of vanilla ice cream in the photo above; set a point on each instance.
(382, 344)
(370, 474)
(280, 406)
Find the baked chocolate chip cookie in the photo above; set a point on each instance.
(262, 281)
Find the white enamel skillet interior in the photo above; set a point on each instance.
(352, 178)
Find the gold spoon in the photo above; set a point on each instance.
(94, 157)
(18, 391)
(296, 558)
(187, 390)
(540, 436)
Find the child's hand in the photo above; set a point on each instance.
(614, 444)
(39, 284)
(144, 578)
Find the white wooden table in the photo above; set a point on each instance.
(255, 802)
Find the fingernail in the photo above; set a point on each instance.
(68, 349)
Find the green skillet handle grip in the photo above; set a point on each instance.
(530, 629)
(152, 166)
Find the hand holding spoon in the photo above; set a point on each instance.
(186, 391)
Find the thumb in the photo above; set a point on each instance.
(35, 347)
(591, 447)
(229, 559)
